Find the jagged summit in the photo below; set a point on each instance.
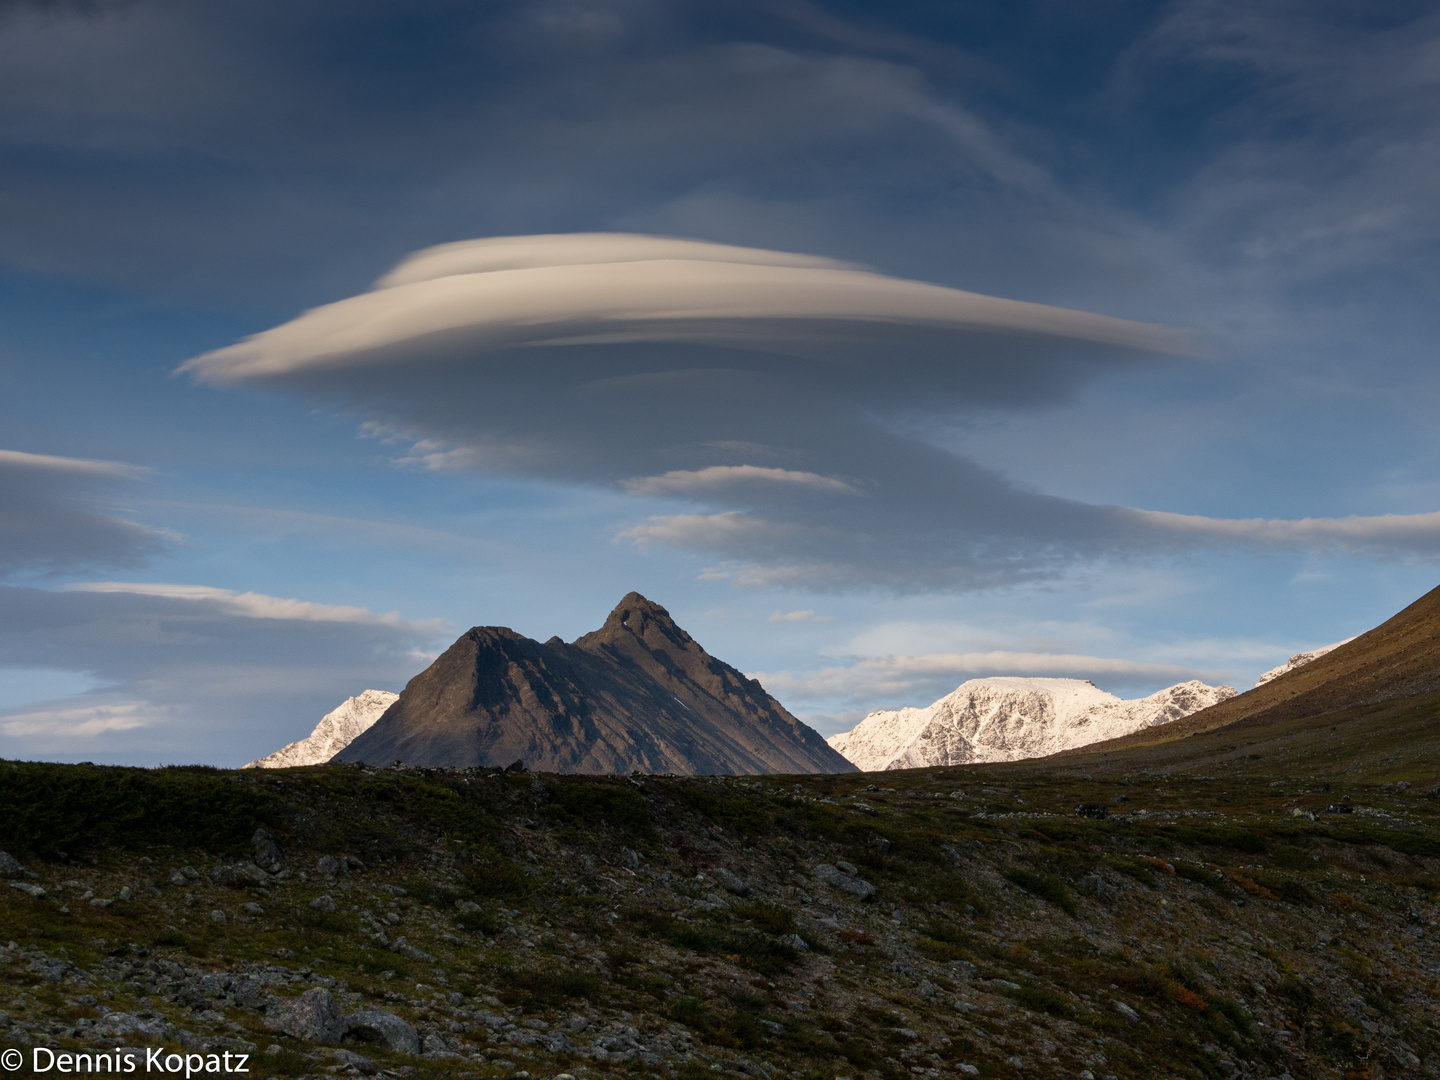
(1008, 718)
(637, 694)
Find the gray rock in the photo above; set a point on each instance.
(846, 868)
(217, 917)
(856, 886)
(30, 890)
(926, 989)
(1091, 885)
(312, 1017)
(732, 883)
(405, 949)
(241, 875)
(1125, 1010)
(963, 969)
(253, 909)
(324, 903)
(330, 866)
(177, 878)
(362, 1064)
(796, 942)
(376, 1025)
(118, 1023)
(467, 907)
(11, 868)
(190, 873)
(266, 852)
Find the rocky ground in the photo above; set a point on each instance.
(992, 921)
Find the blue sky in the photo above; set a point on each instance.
(194, 565)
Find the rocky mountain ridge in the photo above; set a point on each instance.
(639, 694)
(336, 730)
(1298, 660)
(1010, 719)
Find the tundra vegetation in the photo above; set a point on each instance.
(945, 922)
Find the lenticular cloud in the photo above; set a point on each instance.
(776, 402)
(489, 296)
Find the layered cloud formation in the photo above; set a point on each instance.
(188, 673)
(796, 403)
(164, 672)
(55, 515)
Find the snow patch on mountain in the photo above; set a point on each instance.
(1006, 719)
(1299, 660)
(336, 730)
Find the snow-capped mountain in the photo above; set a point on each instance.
(1299, 660)
(335, 731)
(1006, 719)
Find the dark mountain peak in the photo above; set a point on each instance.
(641, 617)
(638, 621)
(637, 694)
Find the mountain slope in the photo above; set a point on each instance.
(1008, 719)
(335, 731)
(1398, 659)
(639, 694)
(1298, 660)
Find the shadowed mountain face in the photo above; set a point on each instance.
(639, 694)
(1399, 659)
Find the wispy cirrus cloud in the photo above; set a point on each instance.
(183, 672)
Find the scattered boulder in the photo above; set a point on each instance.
(732, 883)
(119, 1023)
(30, 890)
(330, 866)
(1098, 811)
(324, 903)
(796, 942)
(376, 1025)
(267, 853)
(218, 917)
(10, 867)
(856, 886)
(348, 1059)
(403, 948)
(312, 1017)
(1125, 1010)
(241, 875)
(1091, 885)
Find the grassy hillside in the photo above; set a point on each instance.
(659, 927)
(1398, 660)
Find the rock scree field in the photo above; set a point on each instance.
(1060, 918)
